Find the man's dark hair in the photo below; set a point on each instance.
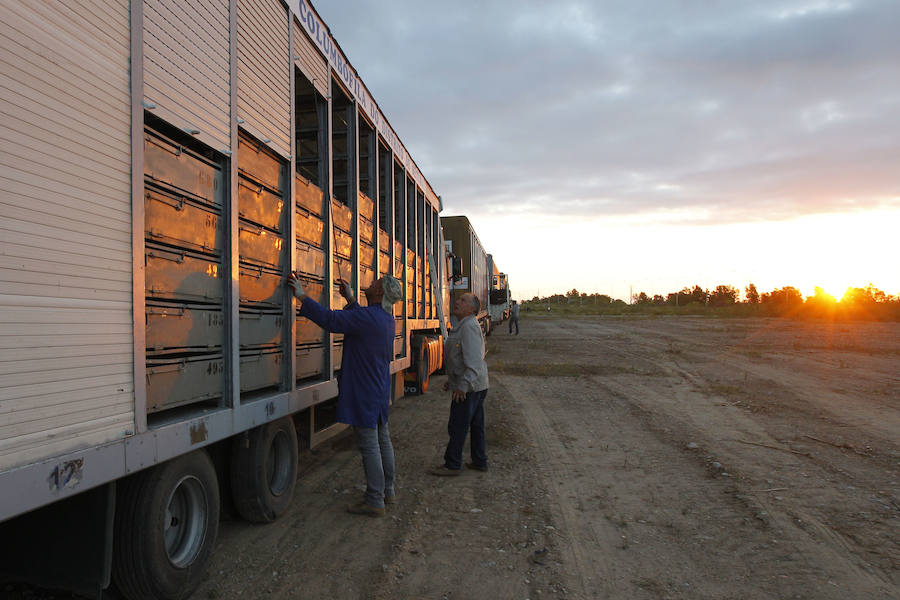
(477, 303)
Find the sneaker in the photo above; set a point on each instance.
(365, 509)
(475, 467)
(390, 499)
(444, 471)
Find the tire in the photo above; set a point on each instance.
(264, 470)
(488, 327)
(166, 523)
(423, 377)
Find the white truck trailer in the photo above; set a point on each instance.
(165, 165)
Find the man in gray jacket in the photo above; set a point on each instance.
(467, 378)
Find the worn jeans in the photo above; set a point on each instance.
(463, 416)
(378, 462)
(514, 321)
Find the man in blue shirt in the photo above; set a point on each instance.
(365, 382)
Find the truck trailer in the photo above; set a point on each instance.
(165, 166)
(499, 298)
(471, 272)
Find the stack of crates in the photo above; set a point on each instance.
(342, 216)
(384, 253)
(310, 253)
(398, 308)
(367, 265)
(411, 284)
(185, 245)
(263, 260)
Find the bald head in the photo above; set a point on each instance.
(465, 305)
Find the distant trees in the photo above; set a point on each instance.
(857, 302)
(751, 294)
(723, 295)
(785, 297)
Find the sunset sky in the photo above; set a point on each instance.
(650, 145)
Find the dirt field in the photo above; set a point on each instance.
(629, 458)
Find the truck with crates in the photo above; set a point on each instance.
(166, 166)
(471, 270)
(500, 297)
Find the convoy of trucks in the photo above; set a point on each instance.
(166, 165)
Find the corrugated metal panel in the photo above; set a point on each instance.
(309, 61)
(186, 65)
(264, 72)
(66, 365)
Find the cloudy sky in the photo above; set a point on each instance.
(648, 145)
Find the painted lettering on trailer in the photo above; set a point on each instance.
(318, 32)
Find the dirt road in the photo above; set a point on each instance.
(677, 458)
(630, 458)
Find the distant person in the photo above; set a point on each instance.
(365, 384)
(514, 317)
(467, 379)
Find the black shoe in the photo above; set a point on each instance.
(475, 467)
(365, 509)
(444, 471)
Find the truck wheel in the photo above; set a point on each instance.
(166, 522)
(423, 377)
(488, 327)
(264, 470)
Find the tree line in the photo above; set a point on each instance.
(857, 302)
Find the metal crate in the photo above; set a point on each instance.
(343, 243)
(366, 277)
(366, 255)
(174, 165)
(174, 219)
(257, 163)
(310, 260)
(310, 229)
(310, 360)
(259, 205)
(308, 332)
(314, 288)
(173, 327)
(337, 354)
(366, 207)
(366, 231)
(259, 285)
(343, 269)
(260, 328)
(308, 196)
(342, 215)
(261, 246)
(260, 369)
(182, 275)
(178, 381)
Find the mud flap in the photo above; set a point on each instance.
(65, 546)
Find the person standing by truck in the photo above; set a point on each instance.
(467, 378)
(514, 317)
(365, 382)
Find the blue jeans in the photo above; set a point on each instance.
(463, 416)
(378, 462)
(514, 321)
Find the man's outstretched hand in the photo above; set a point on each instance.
(294, 282)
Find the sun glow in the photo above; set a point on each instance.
(620, 256)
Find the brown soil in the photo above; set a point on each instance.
(630, 458)
(673, 457)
